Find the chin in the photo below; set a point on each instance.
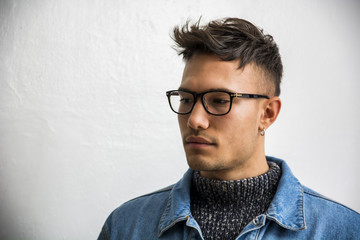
(196, 164)
(199, 164)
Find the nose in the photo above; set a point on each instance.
(198, 118)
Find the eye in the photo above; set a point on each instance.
(220, 101)
(185, 100)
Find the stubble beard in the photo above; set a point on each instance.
(199, 162)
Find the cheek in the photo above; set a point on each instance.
(182, 120)
(239, 128)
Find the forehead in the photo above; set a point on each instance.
(203, 72)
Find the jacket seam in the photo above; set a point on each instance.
(318, 195)
(166, 189)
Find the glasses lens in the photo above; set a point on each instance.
(181, 102)
(217, 102)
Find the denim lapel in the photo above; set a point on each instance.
(287, 207)
(178, 205)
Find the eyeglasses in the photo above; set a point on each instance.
(215, 102)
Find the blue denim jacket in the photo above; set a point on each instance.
(296, 212)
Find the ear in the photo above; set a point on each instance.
(271, 111)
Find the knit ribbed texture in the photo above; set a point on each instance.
(223, 208)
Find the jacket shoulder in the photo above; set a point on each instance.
(154, 199)
(156, 194)
(326, 217)
(321, 200)
(138, 216)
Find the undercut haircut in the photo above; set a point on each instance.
(231, 39)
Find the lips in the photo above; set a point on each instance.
(198, 141)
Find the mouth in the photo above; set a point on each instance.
(198, 142)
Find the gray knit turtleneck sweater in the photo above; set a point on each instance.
(223, 208)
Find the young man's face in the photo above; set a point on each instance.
(223, 147)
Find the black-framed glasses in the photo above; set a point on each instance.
(215, 102)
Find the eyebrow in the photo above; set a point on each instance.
(210, 89)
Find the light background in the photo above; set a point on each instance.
(84, 121)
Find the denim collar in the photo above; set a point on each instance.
(286, 209)
(178, 206)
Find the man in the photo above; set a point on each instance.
(228, 97)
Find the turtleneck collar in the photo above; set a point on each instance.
(223, 208)
(236, 191)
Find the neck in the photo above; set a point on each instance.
(251, 167)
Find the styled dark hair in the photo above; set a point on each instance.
(231, 39)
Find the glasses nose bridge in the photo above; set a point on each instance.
(201, 96)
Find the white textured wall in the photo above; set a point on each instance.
(84, 121)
